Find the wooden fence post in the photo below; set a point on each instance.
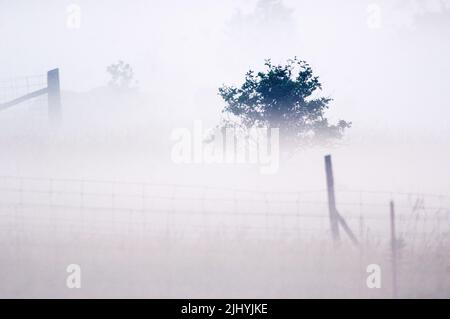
(54, 96)
(331, 199)
(393, 251)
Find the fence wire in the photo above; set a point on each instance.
(13, 88)
(96, 207)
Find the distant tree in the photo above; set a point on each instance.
(284, 97)
(270, 21)
(267, 14)
(121, 75)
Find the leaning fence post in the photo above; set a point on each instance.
(54, 96)
(393, 251)
(331, 199)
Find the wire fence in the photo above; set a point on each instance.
(160, 231)
(13, 88)
(95, 207)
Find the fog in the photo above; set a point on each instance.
(100, 188)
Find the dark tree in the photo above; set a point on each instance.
(284, 97)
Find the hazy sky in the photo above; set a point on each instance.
(385, 62)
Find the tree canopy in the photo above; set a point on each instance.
(284, 97)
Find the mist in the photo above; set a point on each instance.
(100, 188)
